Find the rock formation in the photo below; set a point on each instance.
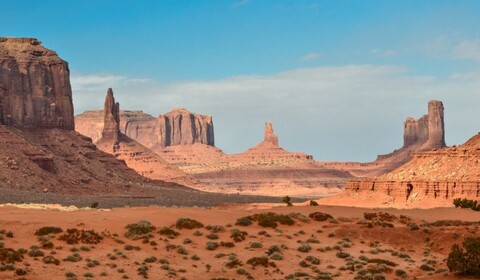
(136, 156)
(428, 131)
(35, 89)
(431, 178)
(178, 127)
(111, 120)
(425, 134)
(270, 136)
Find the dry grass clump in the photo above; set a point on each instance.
(75, 236)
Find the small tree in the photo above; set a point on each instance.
(465, 262)
(286, 199)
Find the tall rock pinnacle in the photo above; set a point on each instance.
(111, 127)
(270, 136)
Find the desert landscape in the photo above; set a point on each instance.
(92, 186)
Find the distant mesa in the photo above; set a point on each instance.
(135, 155)
(35, 89)
(177, 127)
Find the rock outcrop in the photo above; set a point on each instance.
(424, 134)
(136, 156)
(177, 127)
(270, 136)
(111, 118)
(35, 89)
(431, 178)
(428, 131)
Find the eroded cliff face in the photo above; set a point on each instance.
(177, 127)
(434, 177)
(35, 89)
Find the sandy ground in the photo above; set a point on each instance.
(429, 244)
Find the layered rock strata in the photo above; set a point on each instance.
(429, 178)
(35, 89)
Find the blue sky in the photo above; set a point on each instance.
(337, 78)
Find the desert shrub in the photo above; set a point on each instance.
(401, 273)
(465, 260)
(313, 260)
(212, 236)
(227, 244)
(9, 255)
(244, 221)
(426, 267)
(47, 230)
(139, 230)
(287, 200)
(255, 261)
(342, 254)
(170, 233)
(382, 261)
(256, 245)
(273, 249)
(75, 257)
(304, 248)
(233, 263)
(187, 223)
(212, 245)
(320, 216)
(195, 258)
(238, 235)
(276, 256)
(270, 219)
(466, 203)
(75, 236)
(50, 260)
(215, 229)
(452, 223)
(313, 203)
(150, 259)
(34, 252)
(181, 250)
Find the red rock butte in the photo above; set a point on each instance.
(35, 89)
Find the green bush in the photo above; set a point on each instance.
(313, 203)
(466, 203)
(465, 261)
(139, 230)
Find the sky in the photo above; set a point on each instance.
(336, 78)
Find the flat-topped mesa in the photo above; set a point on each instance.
(270, 136)
(181, 127)
(111, 127)
(35, 90)
(428, 130)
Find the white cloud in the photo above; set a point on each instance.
(351, 112)
(384, 53)
(467, 50)
(310, 57)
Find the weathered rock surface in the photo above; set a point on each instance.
(35, 89)
(429, 178)
(424, 134)
(177, 127)
(136, 156)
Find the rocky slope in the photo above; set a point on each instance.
(34, 86)
(424, 134)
